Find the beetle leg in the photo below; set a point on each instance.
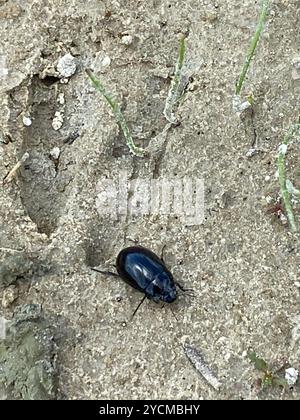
(135, 311)
(162, 253)
(135, 241)
(174, 315)
(107, 273)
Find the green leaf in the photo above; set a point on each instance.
(259, 363)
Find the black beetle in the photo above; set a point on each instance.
(145, 271)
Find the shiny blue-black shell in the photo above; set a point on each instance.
(145, 271)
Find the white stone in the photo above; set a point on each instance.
(66, 65)
(61, 98)
(105, 61)
(291, 376)
(127, 39)
(55, 152)
(3, 67)
(64, 80)
(57, 121)
(251, 152)
(238, 105)
(27, 121)
(10, 294)
(295, 74)
(283, 219)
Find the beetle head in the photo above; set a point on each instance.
(169, 296)
(162, 288)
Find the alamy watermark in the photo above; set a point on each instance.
(3, 327)
(130, 198)
(3, 67)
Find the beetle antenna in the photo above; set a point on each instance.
(174, 314)
(107, 273)
(138, 307)
(189, 292)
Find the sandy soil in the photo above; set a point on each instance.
(242, 262)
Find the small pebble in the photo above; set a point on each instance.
(283, 219)
(3, 67)
(105, 61)
(55, 152)
(291, 376)
(66, 66)
(239, 106)
(295, 74)
(64, 80)
(10, 294)
(27, 121)
(61, 99)
(296, 69)
(57, 121)
(251, 152)
(127, 39)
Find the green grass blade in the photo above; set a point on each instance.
(253, 45)
(286, 197)
(137, 151)
(175, 91)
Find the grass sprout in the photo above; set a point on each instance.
(270, 377)
(135, 150)
(285, 184)
(176, 88)
(250, 53)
